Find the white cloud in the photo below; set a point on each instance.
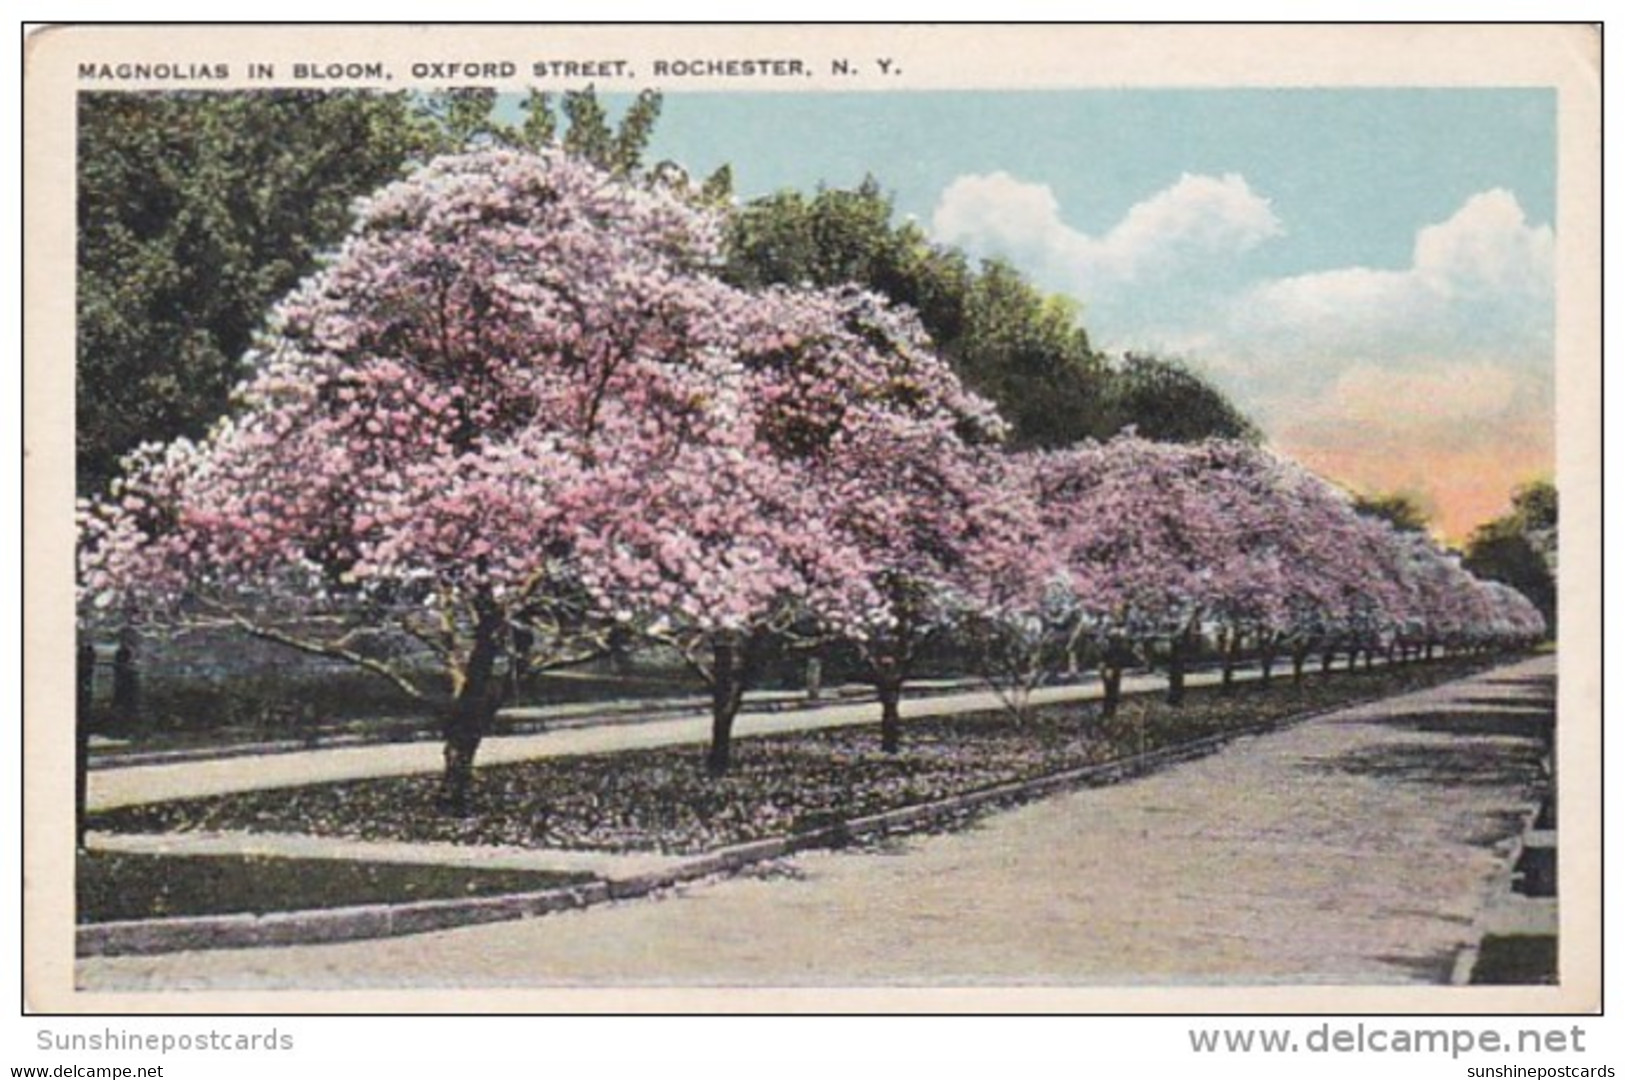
(1198, 219)
(1164, 279)
(1487, 246)
(1437, 376)
(1187, 227)
(1479, 286)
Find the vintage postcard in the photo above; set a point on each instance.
(613, 518)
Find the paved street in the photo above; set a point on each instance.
(1354, 848)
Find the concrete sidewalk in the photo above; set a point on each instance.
(611, 866)
(1352, 849)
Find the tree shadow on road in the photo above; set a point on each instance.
(1522, 701)
(1436, 967)
(1477, 763)
(1546, 683)
(1532, 724)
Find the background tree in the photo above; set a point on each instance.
(1027, 352)
(1535, 506)
(1399, 509)
(1520, 548)
(1021, 348)
(195, 212)
(1166, 401)
(838, 237)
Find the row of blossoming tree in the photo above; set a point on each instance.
(518, 416)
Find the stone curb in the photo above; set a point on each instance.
(1499, 895)
(1496, 889)
(317, 926)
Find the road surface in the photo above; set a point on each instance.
(1354, 848)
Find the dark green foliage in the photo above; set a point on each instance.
(1398, 509)
(718, 188)
(113, 886)
(462, 117)
(1520, 548)
(1026, 351)
(840, 236)
(1535, 506)
(195, 212)
(632, 136)
(1167, 402)
(1021, 348)
(541, 126)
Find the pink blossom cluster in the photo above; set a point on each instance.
(1162, 539)
(519, 399)
(519, 387)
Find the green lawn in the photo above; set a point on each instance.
(1517, 961)
(113, 886)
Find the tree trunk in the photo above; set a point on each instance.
(462, 742)
(727, 692)
(1266, 663)
(86, 687)
(469, 717)
(1227, 673)
(1370, 658)
(891, 721)
(126, 687)
(1354, 657)
(1326, 659)
(889, 665)
(1176, 668)
(1299, 656)
(1111, 683)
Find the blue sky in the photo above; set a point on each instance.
(1358, 171)
(1368, 272)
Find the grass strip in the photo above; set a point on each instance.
(114, 886)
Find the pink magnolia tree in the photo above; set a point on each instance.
(1139, 528)
(899, 465)
(1512, 621)
(1263, 559)
(517, 414)
(1165, 542)
(1325, 574)
(1437, 612)
(1014, 595)
(1340, 572)
(469, 440)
